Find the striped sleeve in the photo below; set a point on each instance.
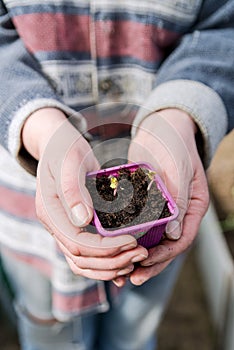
(198, 78)
(25, 88)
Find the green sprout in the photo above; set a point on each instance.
(113, 184)
(151, 174)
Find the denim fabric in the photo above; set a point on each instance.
(129, 324)
(6, 297)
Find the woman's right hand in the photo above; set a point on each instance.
(63, 202)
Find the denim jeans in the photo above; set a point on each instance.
(129, 324)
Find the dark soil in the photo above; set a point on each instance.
(133, 201)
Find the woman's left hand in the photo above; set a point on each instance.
(167, 141)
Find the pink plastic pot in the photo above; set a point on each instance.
(148, 234)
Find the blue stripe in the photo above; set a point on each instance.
(47, 8)
(17, 189)
(147, 19)
(68, 56)
(84, 58)
(20, 219)
(127, 61)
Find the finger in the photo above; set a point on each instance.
(107, 263)
(174, 228)
(142, 274)
(52, 214)
(68, 156)
(180, 188)
(170, 249)
(120, 281)
(91, 244)
(111, 263)
(71, 186)
(104, 275)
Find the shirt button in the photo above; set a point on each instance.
(105, 85)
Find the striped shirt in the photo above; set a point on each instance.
(74, 54)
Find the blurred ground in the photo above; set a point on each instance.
(8, 337)
(221, 181)
(186, 324)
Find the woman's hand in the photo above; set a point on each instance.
(167, 141)
(63, 202)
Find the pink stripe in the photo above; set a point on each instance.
(54, 32)
(17, 203)
(40, 264)
(126, 38)
(68, 303)
(63, 302)
(61, 32)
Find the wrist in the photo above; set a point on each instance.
(38, 129)
(169, 126)
(186, 127)
(175, 115)
(178, 119)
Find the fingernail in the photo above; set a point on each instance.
(119, 281)
(138, 258)
(138, 281)
(174, 229)
(80, 215)
(125, 271)
(128, 246)
(147, 263)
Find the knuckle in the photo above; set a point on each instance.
(73, 249)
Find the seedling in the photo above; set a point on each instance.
(151, 175)
(113, 184)
(142, 209)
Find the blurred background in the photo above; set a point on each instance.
(201, 310)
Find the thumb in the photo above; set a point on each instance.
(174, 228)
(73, 192)
(81, 214)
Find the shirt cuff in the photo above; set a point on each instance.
(14, 137)
(201, 102)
